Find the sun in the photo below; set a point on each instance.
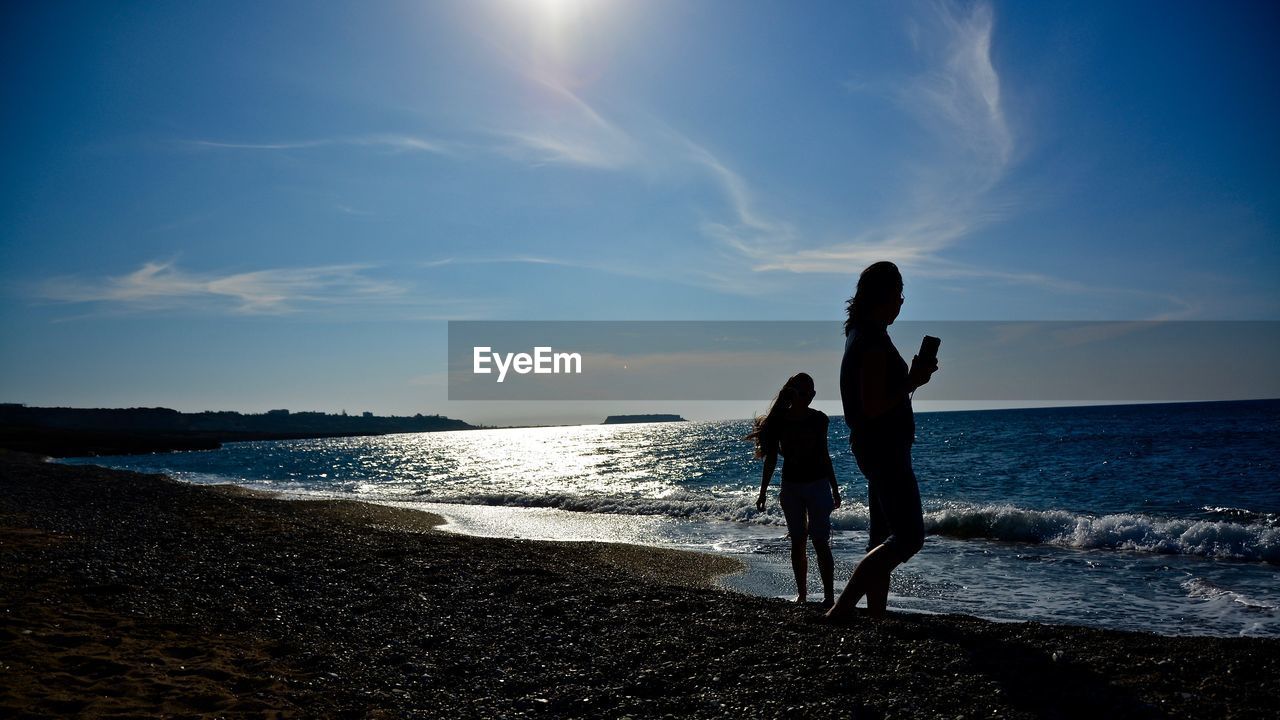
(555, 26)
(558, 9)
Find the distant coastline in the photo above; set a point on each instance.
(71, 432)
(624, 419)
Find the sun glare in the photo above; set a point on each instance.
(554, 20)
(557, 9)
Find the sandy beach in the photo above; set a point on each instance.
(131, 595)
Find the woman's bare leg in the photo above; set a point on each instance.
(878, 595)
(871, 574)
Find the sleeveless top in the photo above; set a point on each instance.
(802, 443)
(897, 424)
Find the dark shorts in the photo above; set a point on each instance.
(893, 497)
(807, 507)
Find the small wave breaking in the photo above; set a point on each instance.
(1218, 539)
(1242, 515)
(1222, 533)
(1208, 591)
(1125, 531)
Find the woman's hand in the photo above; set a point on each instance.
(835, 499)
(760, 501)
(921, 371)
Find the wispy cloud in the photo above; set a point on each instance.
(957, 103)
(955, 189)
(348, 210)
(390, 142)
(593, 266)
(750, 231)
(561, 148)
(258, 146)
(502, 260)
(163, 286)
(912, 244)
(569, 131)
(960, 99)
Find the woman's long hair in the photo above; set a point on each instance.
(764, 430)
(880, 282)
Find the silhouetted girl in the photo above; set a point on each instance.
(875, 388)
(809, 490)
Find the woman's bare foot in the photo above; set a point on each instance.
(830, 618)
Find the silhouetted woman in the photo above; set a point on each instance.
(875, 388)
(809, 490)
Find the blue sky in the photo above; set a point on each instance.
(254, 205)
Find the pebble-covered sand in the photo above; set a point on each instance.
(129, 595)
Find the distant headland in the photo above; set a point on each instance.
(68, 432)
(621, 419)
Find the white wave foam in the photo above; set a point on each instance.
(1243, 515)
(1202, 589)
(1132, 532)
(1220, 539)
(1125, 531)
(688, 506)
(999, 522)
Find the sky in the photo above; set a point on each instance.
(246, 205)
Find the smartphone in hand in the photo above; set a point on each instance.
(929, 348)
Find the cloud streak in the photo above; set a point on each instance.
(390, 142)
(160, 286)
(618, 269)
(506, 260)
(569, 132)
(961, 99)
(955, 188)
(750, 232)
(957, 103)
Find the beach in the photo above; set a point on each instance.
(132, 595)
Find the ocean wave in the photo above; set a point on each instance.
(1006, 523)
(1222, 533)
(684, 506)
(1206, 590)
(1124, 531)
(1242, 515)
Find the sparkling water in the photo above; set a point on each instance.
(1163, 518)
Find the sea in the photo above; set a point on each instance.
(1161, 518)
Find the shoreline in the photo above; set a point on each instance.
(137, 594)
(767, 573)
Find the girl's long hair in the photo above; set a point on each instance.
(764, 430)
(880, 282)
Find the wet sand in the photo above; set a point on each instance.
(129, 595)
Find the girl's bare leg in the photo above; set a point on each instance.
(826, 570)
(800, 566)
